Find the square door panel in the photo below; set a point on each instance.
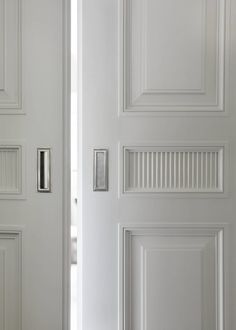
(172, 55)
(171, 277)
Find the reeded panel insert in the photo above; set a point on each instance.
(173, 169)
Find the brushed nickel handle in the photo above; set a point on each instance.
(44, 170)
(100, 170)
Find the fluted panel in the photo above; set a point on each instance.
(169, 169)
(10, 170)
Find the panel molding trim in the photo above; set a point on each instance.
(12, 170)
(180, 68)
(10, 57)
(10, 278)
(174, 168)
(184, 258)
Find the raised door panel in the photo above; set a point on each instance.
(10, 280)
(172, 55)
(10, 56)
(171, 276)
(12, 170)
(2, 19)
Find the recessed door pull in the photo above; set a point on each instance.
(100, 170)
(44, 170)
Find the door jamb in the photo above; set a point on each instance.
(66, 212)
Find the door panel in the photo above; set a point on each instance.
(10, 57)
(175, 168)
(172, 276)
(10, 279)
(173, 55)
(158, 249)
(13, 168)
(31, 96)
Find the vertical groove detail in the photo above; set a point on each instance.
(155, 170)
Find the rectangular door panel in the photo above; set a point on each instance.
(12, 170)
(174, 169)
(173, 55)
(10, 56)
(10, 278)
(171, 276)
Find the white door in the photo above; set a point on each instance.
(158, 249)
(31, 112)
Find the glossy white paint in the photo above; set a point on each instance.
(36, 44)
(190, 82)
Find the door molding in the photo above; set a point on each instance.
(206, 236)
(129, 167)
(66, 164)
(139, 92)
(11, 255)
(11, 58)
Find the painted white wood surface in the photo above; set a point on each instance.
(10, 279)
(173, 169)
(173, 55)
(187, 49)
(172, 276)
(10, 56)
(33, 39)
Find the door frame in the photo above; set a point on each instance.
(66, 186)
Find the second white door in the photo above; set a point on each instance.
(158, 248)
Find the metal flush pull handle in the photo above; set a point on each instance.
(44, 170)
(100, 170)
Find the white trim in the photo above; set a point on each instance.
(17, 233)
(80, 164)
(21, 146)
(66, 165)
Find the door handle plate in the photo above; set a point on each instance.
(44, 170)
(100, 170)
